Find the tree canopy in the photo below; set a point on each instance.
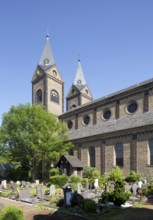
(32, 135)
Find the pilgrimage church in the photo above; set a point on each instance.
(114, 130)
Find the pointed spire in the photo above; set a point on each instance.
(79, 77)
(47, 56)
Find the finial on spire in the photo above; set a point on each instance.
(47, 34)
(79, 58)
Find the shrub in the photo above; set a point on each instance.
(132, 177)
(11, 213)
(90, 172)
(74, 181)
(119, 196)
(58, 180)
(83, 181)
(116, 174)
(150, 189)
(89, 206)
(54, 172)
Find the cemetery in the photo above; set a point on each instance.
(90, 197)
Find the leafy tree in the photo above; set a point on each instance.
(33, 136)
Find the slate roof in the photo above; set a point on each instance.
(74, 161)
(47, 54)
(105, 98)
(79, 76)
(127, 122)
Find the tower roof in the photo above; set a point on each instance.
(79, 77)
(47, 58)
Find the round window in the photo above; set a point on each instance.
(86, 120)
(132, 107)
(106, 114)
(70, 124)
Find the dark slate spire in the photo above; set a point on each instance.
(47, 58)
(79, 77)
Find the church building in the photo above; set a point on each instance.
(114, 130)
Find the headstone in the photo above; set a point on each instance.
(37, 182)
(18, 183)
(4, 184)
(87, 185)
(24, 195)
(39, 190)
(134, 189)
(79, 188)
(23, 184)
(52, 190)
(96, 183)
(85, 194)
(140, 183)
(15, 187)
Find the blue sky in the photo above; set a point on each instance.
(113, 38)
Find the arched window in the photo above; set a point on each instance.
(151, 152)
(39, 96)
(92, 156)
(54, 96)
(119, 154)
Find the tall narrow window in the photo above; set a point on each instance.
(54, 96)
(119, 154)
(151, 152)
(39, 96)
(92, 156)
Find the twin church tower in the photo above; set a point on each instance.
(48, 85)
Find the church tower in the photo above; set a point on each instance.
(47, 83)
(79, 92)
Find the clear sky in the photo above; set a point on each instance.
(112, 38)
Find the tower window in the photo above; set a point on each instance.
(70, 124)
(86, 119)
(54, 96)
(119, 154)
(39, 96)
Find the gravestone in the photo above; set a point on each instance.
(4, 184)
(134, 189)
(23, 184)
(52, 190)
(39, 190)
(87, 185)
(24, 195)
(18, 183)
(85, 194)
(37, 182)
(15, 187)
(79, 188)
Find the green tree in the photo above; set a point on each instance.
(33, 137)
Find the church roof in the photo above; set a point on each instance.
(47, 58)
(124, 123)
(74, 161)
(79, 77)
